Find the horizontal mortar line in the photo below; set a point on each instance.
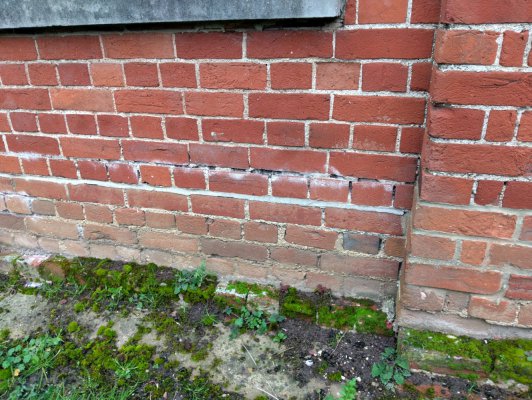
(513, 143)
(402, 25)
(483, 68)
(189, 192)
(480, 209)
(475, 176)
(495, 27)
(480, 106)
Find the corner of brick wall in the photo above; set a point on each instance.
(469, 263)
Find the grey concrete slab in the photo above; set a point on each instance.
(56, 13)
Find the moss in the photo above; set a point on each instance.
(203, 293)
(245, 288)
(322, 368)
(297, 305)
(361, 318)
(511, 360)
(73, 327)
(80, 306)
(201, 354)
(335, 376)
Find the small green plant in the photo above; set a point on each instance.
(73, 327)
(280, 337)
(348, 391)
(251, 320)
(391, 369)
(190, 280)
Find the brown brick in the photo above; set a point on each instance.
(311, 237)
(168, 241)
(107, 232)
(225, 229)
(247, 251)
(294, 256)
(260, 232)
(368, 244)
(50, 227)
(360, 266)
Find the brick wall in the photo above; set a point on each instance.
(287, 154)
(469, 267)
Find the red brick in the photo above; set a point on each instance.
(35, 166)
(63, 168)
(453, 278)
(107, 74)
(96, 194)
(214, 104)
(394, 110)
(191, 224)
(17, 204)
(518, 195)
(149, 101)
(238, 182)
(372, 193)
(289, 186)
(99, 232)
(485, 88)
(289, 44)
(445, 189)
(240, 131)
(221, 156)
(328, 189)
(525, 315)
(525, 127)
(90, 148)
(155, 175)
(390, 77)
(294, 256)
(70, 210)
(98, 213)
(141, 74)
(375, 137)
(168, 241)
(465, 222)
(455, 123)
(32, 144)
(513, 48)
(404, 196)
(360, 266)
(260, 232)
(146, 127)
(378, 222)
(329, 136)
(311, 237)
(4, 124)
(500, 311)
(473, 252)
(526, 231)
(225, 229)
(288, 160)
(81, 124)
(421, 299)
(288, 213)
(473, 158)
(182, 128)
(373, 166)
(290, 134)
(289, 75)
(425, 11)
(519, 287)
(233, 76)
(350, 13)
(163, 152)
(382, 11)
(384, 43)
(129, 216)
(209, 45)
(243, 250)
(142, 45)
(501, 125)
(160, 200)
(82, 100)
(395, 247)
(52, 123)
(337, 76)
(465, 47)
(484, 11)
(411, 140)
(50, 227)
(159, 220)
(71, 47)
(431, 247)
(13, 74)
(420, 79)
(289, 106)
(12, 222)
(33, 99)
(488, 192)
(189, 178)
(24, 121)
(223, 206)
(113, 125)
(92, 170)
(74, 74)
(10, 165)
(180, 75)
(122, 173)
(517, 256)
(17, 49)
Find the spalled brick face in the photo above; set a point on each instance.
(470, 232)
(283, 152)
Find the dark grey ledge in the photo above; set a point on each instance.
(58, 13)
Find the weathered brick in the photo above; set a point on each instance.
(485, 11)
(168, 241)
(233, 76)
(130, 216)
(360, 243)
(311, 237)
(455, 123)
(163, 152)
(488, 192)
(501, 125)
(225, 229)
(375, 137)
(90, 148)
(241, 131)
(329, 136)
(161, 200)
(221, 156)
(519, 287)
(289, 255)
(431, 247)
(289, 186)
(395, 110)
(141, 74)
(160, 220)
(238, 182)
(329, 189)
(209, 45)
(214, 104)
(74, 74)
(155, 175)
(499, 311)
(82, 100)
(288, 160)
(71, 47)
(473, 252)
(465, 47)
(289, 213)
(378, 222)
(182, 75)
(223, 206)
(337, 76)
(247, 251)
(515, 255)
(291, 134)
(513, 47)
(50, 227)
(192, 224)
(107, 232)
(260, 232)
(391, 77)
(98, 213)
(371, 193)
(445, 189)
(518, 195)
(425, 299)
(360, 266)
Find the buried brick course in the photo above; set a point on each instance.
(376, 150)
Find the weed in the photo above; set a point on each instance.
(280, 337)
(391, 369)
(348, 391)
(189, 280)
